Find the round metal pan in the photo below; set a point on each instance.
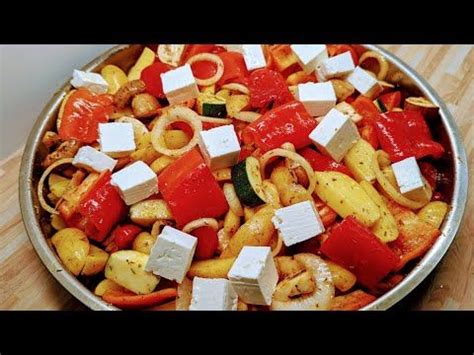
(124, 56)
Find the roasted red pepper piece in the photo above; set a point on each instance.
(207, 242)
(416, 236)
(367, 109)
(321, 162)
(335, 49)
(100, 209)
(190, 189)
(360, 251)
(128, 300)
(404, 134)
(391, 100)
(268, 87)
(430, 173)
(368, 133)
(287, 123)
(83, 112)
(152, 79)
(122, 237)
(352, 301)
(235, 69)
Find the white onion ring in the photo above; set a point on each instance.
(237, 87)
(390, 189)
(183, 298)
(209, 58)
(48, 171)
(279, 152)
(214, 120)
(201, 222)
(289, 146)
(383, 64)
(322, 297)
(279, 245)
(233, 200)
(247, 116)
(175, 114)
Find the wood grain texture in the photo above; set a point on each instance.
(26, 284)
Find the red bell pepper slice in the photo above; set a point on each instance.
(369, 133)
(190, 189)
(152, 79)
(287, 123)
(430, 173)
(335, 49)
(358, 250)
(352, 301)
(391, 100)
(100, 209)
(83, 112)
(235, 69)
(321, 162)
(367, 109)
(207, 242)
(122, 237)
(268, 87)
(203, 69)
(404, 134)
(416, 236)
(128, 300)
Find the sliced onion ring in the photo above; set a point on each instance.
(237, 87)
(183, 298)
(46, 173)
(233, 200)
(383, 64)
(210, 58)
(175, 114)
(388, 187)
(279, 152)
(247, 116)
(201, 222)
(279, 244)
(214, 120)
(322, 297)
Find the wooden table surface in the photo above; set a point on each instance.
(26, 284)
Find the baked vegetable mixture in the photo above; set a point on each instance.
(242, 177)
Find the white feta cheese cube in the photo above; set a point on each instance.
(135, 182)
(309, 55)
(317, 98)
(298, 222)
(348, 111)
(254, 275)
(179, 85)
(335, 67)
(220, 146)
(408, 176)
(335, 135)
(116, 139)
(364, 83)
(92, 81)
(253, 56)
(91, 159)
(172, 254)
(213, 295)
